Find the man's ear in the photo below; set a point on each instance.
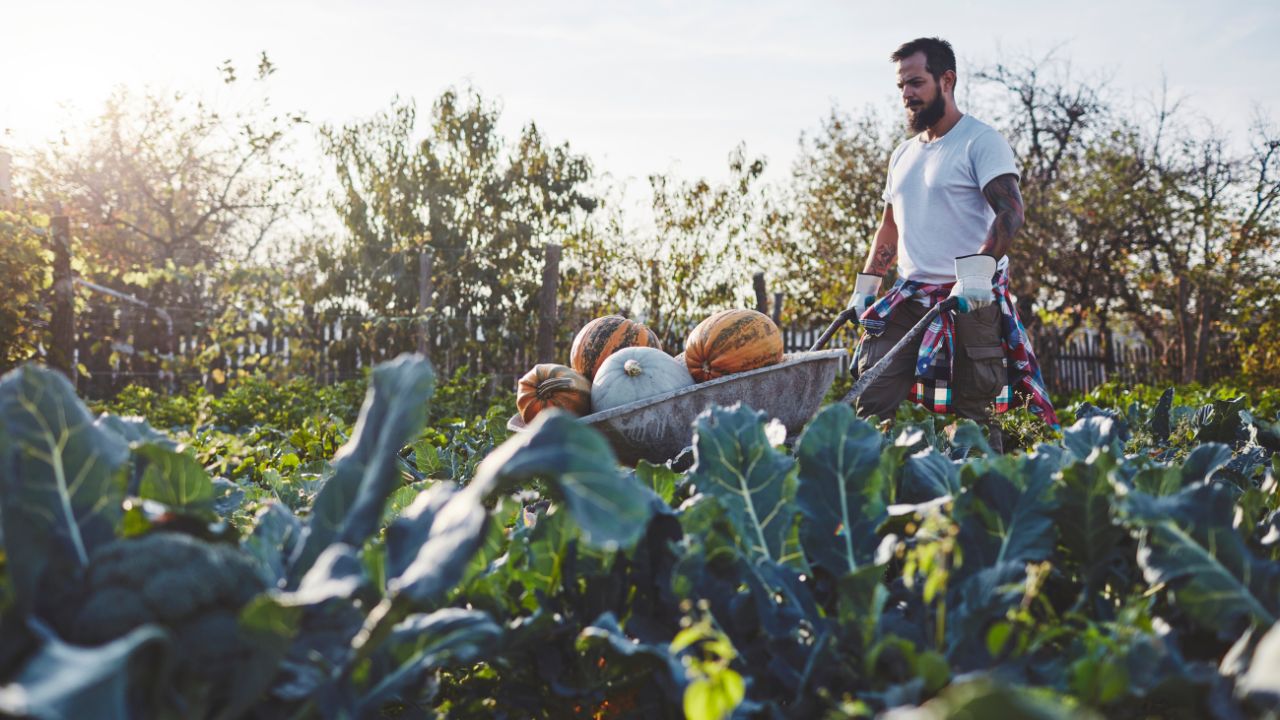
(949, 79)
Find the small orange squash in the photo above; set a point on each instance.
(601, 337)
(548, 385)
(732, 341)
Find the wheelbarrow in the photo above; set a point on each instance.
(659, 428)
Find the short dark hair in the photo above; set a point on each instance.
(938, 55)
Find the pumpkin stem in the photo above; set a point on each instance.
(550, 386)
(632, 368)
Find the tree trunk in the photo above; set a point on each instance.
(1186, 333)
(1205, 308)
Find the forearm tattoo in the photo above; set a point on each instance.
(884, 248)
(882, 257)
(1005, 198)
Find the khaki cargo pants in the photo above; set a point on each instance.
(978, 367)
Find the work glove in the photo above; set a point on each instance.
(974, 275)
(865, 289)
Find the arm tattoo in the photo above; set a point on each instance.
(884, 248)
(1005, 198)
(882, 257)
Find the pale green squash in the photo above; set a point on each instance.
(636, 373)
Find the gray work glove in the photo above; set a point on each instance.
(974, 277)
(865, 290)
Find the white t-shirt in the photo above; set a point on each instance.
(935, 189)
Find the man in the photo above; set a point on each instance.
(952, 208)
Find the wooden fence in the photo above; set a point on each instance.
(126, 346)
(123, 341)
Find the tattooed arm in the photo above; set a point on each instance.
(1005, 198)
(885, 248)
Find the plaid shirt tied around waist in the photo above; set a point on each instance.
(932, 389)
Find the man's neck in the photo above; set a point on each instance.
(944, 125)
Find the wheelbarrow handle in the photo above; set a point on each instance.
(849, 313)
(875, 371)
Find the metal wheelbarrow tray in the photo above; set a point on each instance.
(658, 428)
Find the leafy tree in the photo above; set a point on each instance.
(169, 181)
(704, 244)
(25, 277)
(820, 234)
(481, 208)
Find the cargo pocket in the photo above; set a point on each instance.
(986, 374)
(870, 351)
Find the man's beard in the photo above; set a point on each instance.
(928, 115)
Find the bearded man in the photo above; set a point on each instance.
(952, 208)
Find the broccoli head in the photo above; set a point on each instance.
(193, 588)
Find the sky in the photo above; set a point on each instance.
(640, 87)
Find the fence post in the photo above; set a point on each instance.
(63, 322)
(6, 182)
(655, 296)
(778, 298)
(547, 316)
(425, 290)
(762, 294)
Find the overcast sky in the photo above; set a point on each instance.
(640, 87)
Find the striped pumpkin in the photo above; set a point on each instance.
(551, 385)
(732, 341)
(601, 337)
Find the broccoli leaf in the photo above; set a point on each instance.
(612, 507)
(61, 484)
(753, 481)
(68, 681)
(174, 478)
(365, 471)
(1189, 544)
(840, 491)
(420, 643)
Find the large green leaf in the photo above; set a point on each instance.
(736, 464)
(67, 681)
(273, 541)
(1220, 421)
(628, 656)
(1261, 682)
(839, 489)
(431, 543)
(173, 478)
(1204, 461)
(1091, 433)
(61, 483)
(365, 470)
(421, 643)
(1189, 544)
(1087, 527)
(579, 467)
(1007, 514)
(1160, 423)
(928, 475)
(659, 478)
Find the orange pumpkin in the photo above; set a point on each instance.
(732, 341)
(604, 335)
(549, 384)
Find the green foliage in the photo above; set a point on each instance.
(482, 206)
(1129, 568)
(25, 274)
